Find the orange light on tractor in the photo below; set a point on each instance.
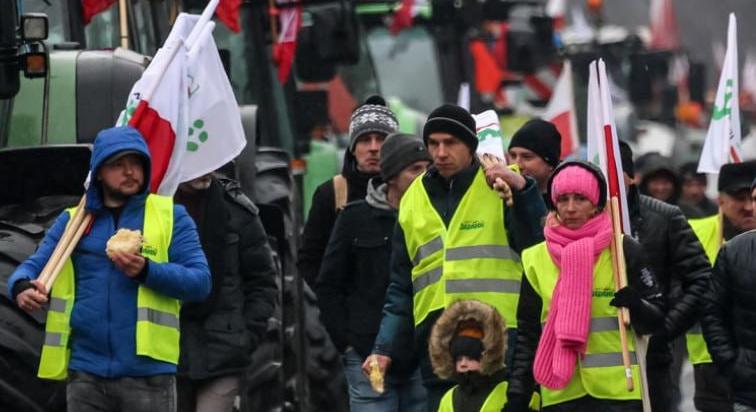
(594, 5)
(34, 64)
(298, 166)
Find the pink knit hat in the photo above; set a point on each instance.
(575, 179)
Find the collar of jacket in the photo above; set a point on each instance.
(460, 181)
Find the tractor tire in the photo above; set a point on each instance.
(21, 334)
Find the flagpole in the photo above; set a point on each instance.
(205, 17)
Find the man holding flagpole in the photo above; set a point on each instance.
(112, 326)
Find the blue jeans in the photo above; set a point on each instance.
(407, 395)
(90, 393)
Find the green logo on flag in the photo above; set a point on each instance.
(720, 112)
(128, 112)
(201, 136)
(486, 133)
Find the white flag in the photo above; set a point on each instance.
(215, 134)
(723, 139)
(488, 130)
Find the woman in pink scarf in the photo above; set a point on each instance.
(568, 338)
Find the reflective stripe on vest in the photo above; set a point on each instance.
(495, 401)
(471, 259)
(157, 328)
(600, 372)
(707, 230)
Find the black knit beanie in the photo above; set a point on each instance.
(454, 120)
(626, 153)
(540, 137)
(400, 150)
(371, 117)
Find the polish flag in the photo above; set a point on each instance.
(90, 8)
(405, 14)
(561, 111)
(284, 50)
(228, 14)
(158, 108)
(603, 142)
(664, 33)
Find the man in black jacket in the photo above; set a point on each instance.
(713, 394)
(355, 273)
(730, 315)
(219, 335)
(369, 126)
(677, 258)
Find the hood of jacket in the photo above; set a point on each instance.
(109, 142)
(655, 165)
(494, 337)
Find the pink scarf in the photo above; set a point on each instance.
(568, 323)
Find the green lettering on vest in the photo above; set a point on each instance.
(603, 293)
(471, 224)
(149, 250)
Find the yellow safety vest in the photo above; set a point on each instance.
(157, 328)
(495, 401)
(600, 372)
(707, 230)
(471, 259)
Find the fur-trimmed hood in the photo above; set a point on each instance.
(494, 337)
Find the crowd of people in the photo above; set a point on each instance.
(466, 287)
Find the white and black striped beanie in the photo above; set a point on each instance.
(371, 117)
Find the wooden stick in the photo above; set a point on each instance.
(620, 281)
(68, 233)
(123, 23)
(68, 250)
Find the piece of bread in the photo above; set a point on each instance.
(376, 377)
(126, 241)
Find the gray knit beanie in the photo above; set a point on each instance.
(371, 117)
(400, 150)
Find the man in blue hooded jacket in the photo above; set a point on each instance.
(112, 326)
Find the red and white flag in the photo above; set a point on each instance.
(664, 32)
(403, 17)
(603, 142)
(285, 49)
(91, 8)
(228, 13)
(722, 143)
(561, 111)
(158, 107)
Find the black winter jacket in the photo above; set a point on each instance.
(352, 283)
(644, 320)
(676, 256)
(729, 320)
(322, 216)
(523, 224)
(219, 335)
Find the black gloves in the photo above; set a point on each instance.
(626, 297)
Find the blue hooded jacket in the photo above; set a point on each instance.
(103, 320)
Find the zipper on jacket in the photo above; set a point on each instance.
(109, 317)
